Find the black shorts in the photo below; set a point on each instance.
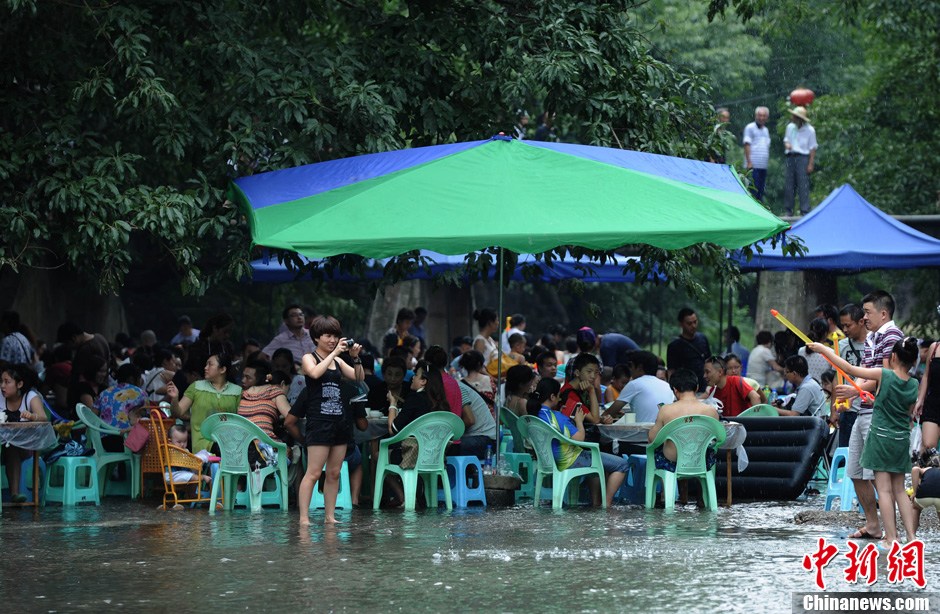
(328, 432)
(931, 411)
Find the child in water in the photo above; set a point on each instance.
(886, 448)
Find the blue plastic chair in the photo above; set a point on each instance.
(234, 434)
(839, 485)
(95, 427)
(541, 434)
(343, 497)
(461, 490)
(693, 436)
(433, 432)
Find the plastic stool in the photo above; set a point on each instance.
(26, 478)
(343, 497)
(839, 485)
(69, 492)
(523, 465)
(271, 496)
(461, 492)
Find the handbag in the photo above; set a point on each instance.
(137, 437)
(498, 368)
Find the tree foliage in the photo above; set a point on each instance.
(120, 134)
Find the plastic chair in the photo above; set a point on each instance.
(461, 490)
(343, 497)
(234, 434)
(511, 422)
(693, 436)
(541, 434)
(95, 428)
(839, 485)
(68, 489)
(518, 458)
(433, 431)
(174, 458)
(766, 411)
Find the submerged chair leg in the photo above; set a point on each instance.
(669, 490)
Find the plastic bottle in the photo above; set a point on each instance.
(488, 461)
(772, 397)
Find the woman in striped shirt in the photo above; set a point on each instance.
(263, 403)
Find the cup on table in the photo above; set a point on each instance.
(374, 413)
(629, 417)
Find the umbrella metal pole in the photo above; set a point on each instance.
(721, 316)
(499, 358)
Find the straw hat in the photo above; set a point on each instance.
(800, 112)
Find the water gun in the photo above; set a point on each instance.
(863, 394)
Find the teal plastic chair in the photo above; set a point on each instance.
(511, 422)
(542, 434)
(95, 428)
(693, 436)
(433, 432)
(520, 462)
(766, 411)
(234, 434)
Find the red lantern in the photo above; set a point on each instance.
(802, 96)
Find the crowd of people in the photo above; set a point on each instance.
(310, 386)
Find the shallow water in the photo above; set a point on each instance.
(746, 559)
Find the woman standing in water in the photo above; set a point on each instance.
(329, 424)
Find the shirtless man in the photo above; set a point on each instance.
(684, 384)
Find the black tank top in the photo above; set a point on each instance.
(933, 383)
(324, 401)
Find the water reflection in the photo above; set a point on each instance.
(521, 558)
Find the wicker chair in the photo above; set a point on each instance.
(173, 458)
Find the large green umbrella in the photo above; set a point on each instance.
(521, 195)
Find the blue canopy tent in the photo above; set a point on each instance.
(846, 233)
(268, 270)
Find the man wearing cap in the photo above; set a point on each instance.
(757, 151)
(799, 143)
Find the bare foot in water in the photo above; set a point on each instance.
(305, 521)
(329, 520)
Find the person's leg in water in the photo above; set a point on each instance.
(862, 479)
(316, 458)
(905, 507)
(885, 488)
(334, 466)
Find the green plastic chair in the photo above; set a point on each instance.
(542, 434)
(95, 428)
(692, 435)
(433, 432)
(234, 434)
(511, 422)
(766, 411)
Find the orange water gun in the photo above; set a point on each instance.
(864, 394)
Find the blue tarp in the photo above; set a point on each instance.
(847, 233)
(269, 270)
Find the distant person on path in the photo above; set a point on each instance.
(522, 124)
(690, 349)
(757, 150)
(546, 129)
(762, 366)
(800, 145)
(516, 325)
